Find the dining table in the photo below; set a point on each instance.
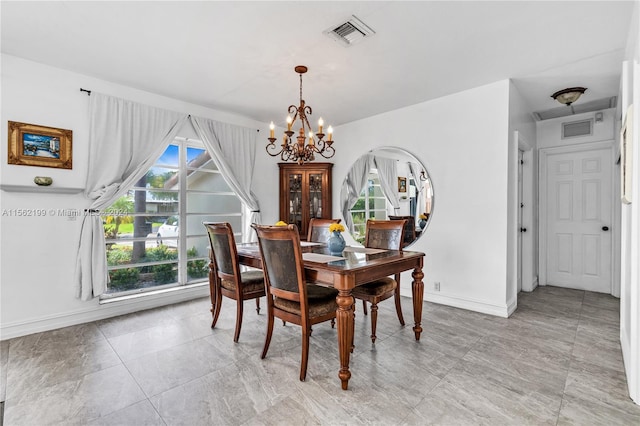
(354, 266)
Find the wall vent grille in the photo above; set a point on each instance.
(577, 128)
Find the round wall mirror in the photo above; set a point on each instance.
(387, 183)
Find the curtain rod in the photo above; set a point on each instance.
(89, 94)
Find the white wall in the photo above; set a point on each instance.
(462, 140)
(37, 254)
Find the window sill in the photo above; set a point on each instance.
(153, 293)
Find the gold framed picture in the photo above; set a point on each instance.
(34, 145)
(402, 184)
(626, 152)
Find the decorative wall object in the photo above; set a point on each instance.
(34, 145)
(626, 151)
(402, 184)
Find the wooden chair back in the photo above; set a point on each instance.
(409, 228)
(385, 234)
(223, 250)
(282, 263)
(319, 229)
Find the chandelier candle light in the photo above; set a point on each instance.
(297, 150)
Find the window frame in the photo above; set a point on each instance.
(373, 181)
(182, 213)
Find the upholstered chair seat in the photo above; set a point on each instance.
(375, 288)
(252, 281)
(322, 301)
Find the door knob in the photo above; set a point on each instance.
(605, 228)
(523, 229)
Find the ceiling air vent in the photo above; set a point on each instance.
(577, 128)
(350, 32)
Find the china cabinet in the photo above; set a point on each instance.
(305, 193)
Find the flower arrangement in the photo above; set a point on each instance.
(281, 223)
(336, 227)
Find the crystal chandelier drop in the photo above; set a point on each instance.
(307, 144)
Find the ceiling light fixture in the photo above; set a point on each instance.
(568, 96)
(299, 151)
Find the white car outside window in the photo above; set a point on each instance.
(168, 229)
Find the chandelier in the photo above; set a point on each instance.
(307, 144)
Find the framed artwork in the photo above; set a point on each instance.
(34, 145)
(402, 184)
(626, 151)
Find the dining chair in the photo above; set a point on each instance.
(382, 234)
(319, 229)
(289, 296)
(409, 229)
(225, 277)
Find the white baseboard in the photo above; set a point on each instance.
(512, 306)
(102, 311)
(469, 304)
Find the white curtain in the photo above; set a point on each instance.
(233, 149)
(388, 175)
(125, 140)
(420, 197)
(415, 172)
(352, 186)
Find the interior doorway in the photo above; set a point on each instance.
(521, 228)
(576, 212)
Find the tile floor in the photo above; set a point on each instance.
(556, 361)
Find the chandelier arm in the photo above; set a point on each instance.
(325, 149)
(328, 153)
(272, 147)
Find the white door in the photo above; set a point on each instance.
(578, 218)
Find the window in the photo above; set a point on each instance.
(372, 204)
(154, 233)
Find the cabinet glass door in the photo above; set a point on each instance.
(295, 199)
(315, 195)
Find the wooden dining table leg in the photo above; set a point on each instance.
(344, 315)
(418, 292)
